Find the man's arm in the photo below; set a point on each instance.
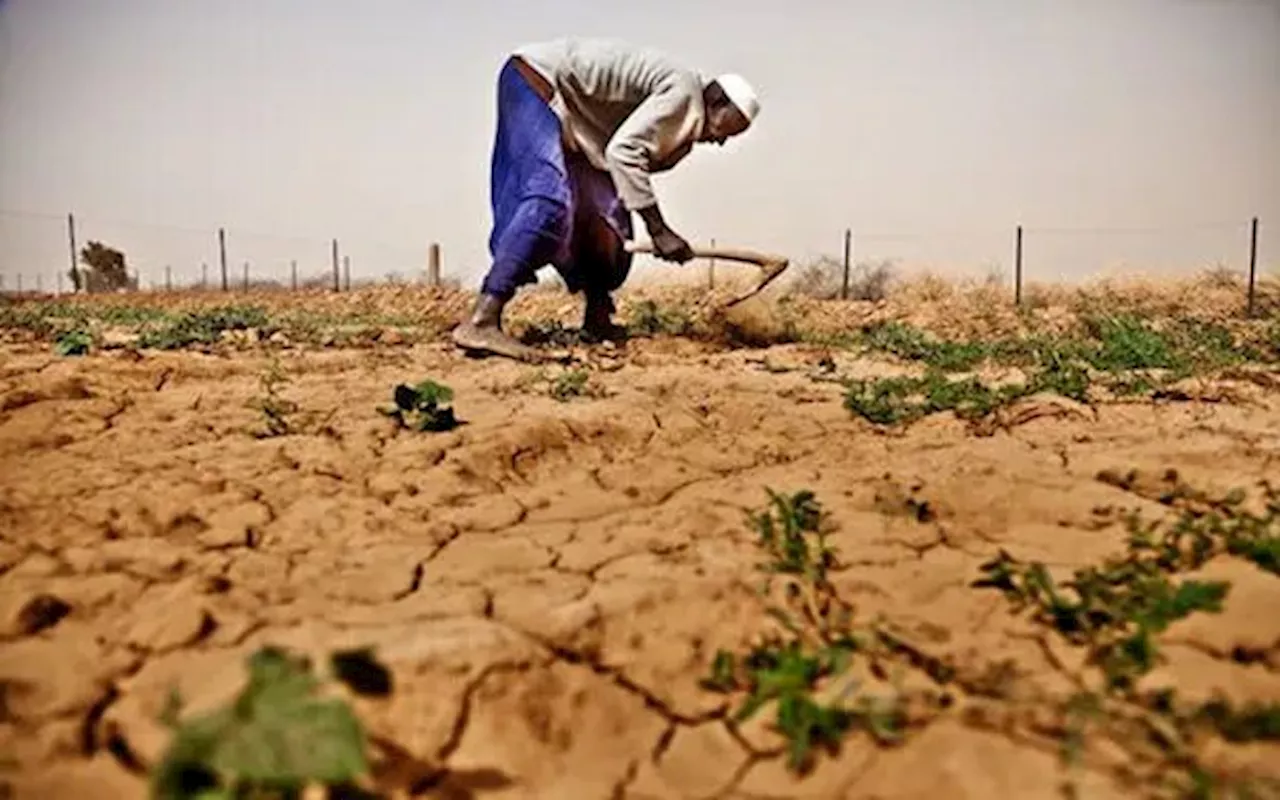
(657, 126)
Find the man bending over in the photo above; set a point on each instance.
(582, 124)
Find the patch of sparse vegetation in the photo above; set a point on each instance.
(807, 671)
(278, 737)
(1115, 344)
(890, 401)
(913, 344)
(1116, 612)
(423, 407)
(76, 342)
(203, 327)
(897, 400)
(275, 409)
(563, 385)
(569, 384)
(1123, 355)
(647, 318)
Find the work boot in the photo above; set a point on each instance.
(483, 333)
(597, 321)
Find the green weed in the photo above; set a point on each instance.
(1122, 345)
(913, 344)
(275, 409)
(570, 384)
(75, 342)
(203, 327)
(795, 670)
(276, 738)
(647, 318)
(1116, 611)
(423, 407)
(1126, 342)
(888, 401)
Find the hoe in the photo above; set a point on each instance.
(771, 266)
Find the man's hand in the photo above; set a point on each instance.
(667, 244)
(670, 246)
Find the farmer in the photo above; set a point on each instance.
(582, 124)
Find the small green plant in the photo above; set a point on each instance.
(647, 318)
(73, 343)
(275, 409)
(888, 401)
(203, 327)
(914, 344)
(279, 735)
(802, 669)
(570, 384)
(1116, 611)
(423, 407)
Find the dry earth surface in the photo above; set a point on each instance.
(549, 582)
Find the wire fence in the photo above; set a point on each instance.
(43, 254)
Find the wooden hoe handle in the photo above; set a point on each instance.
(766, 260)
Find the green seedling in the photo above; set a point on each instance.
(279, 735)
(423, 407)
(785, 532)
(1117, 610)
(570, 384)
(275, 409)
(647, 318)
(73, 343)
(816, 645)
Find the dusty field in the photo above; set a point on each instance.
(550, 582)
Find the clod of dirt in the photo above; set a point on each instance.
(754, 322)
(45, 678)
(40, 613)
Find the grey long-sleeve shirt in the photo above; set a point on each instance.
(629, 110)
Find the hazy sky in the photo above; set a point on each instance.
(931, 127)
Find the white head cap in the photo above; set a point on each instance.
(741, 93)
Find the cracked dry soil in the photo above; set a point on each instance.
(548, 582)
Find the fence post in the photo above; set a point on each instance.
(204, 275)
(1253, 264)
(168, 278)
(246, 276)
(711, 269)
(1017, 268)
(293, 274)
(346, 272)
(75, 265)
(337, 287)
(433, 264)
(222, 255)
(848, 263)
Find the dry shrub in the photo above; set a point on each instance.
(869, 281)
(1221, 276)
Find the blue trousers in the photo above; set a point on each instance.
(550, 208)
